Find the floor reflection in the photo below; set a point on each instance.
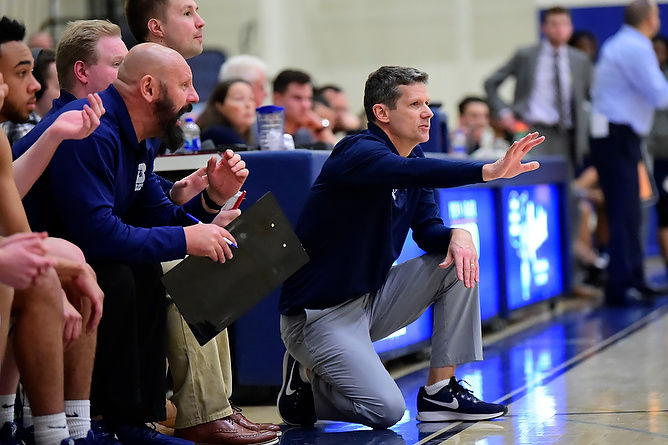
(319, 436)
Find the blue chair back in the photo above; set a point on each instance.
(439, 141)
(205, 68)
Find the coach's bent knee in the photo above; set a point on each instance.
(387, 411)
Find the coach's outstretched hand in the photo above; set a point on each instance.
(511, 164)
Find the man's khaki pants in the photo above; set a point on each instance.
(202, 374)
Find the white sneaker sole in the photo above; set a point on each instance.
(285, 382)
(448, 416)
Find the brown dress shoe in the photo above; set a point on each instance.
(250, 425)
(225, 431)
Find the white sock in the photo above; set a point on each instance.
(436, 387)
(78, 417)
(7, 408)
(50, 429)
(27, 413)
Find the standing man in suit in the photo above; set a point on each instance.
(553, 82)
(629, 85)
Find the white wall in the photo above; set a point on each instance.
(458, 42)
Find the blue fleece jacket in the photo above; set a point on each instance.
(358, 213)
(101, 192)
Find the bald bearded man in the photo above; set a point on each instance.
(103, 195)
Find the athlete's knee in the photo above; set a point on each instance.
(61, 248)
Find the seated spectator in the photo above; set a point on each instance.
(249, 68)
(344, 121)
(40, 39)
(229, 114)
(474, 123)
(324, 110)
(45, 73)
(586, 42)
(293, 91)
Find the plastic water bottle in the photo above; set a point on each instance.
(191, 135)
(459, 149)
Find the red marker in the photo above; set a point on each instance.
(241, 198)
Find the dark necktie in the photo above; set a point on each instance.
(559, 98)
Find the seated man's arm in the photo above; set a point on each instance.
(12, 216)
(79, 282)
(82, 190)
(227, 175)
(83, 194)
(23, 259)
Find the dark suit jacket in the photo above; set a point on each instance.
(522, 66)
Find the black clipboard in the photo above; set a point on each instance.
(211, 295)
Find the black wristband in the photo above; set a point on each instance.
(210, 203)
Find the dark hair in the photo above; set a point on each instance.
(469, 100)
(286, 77)
(40, 71)
(335, 88)
(555, 10)
(637, 12)
(582, 34)
(11, 31)
(382, 86)
(660, 38)
(211, 116)
(139, 12)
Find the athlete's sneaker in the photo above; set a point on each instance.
(454, 402)
(295, 401)
(10, 434)
(98, 435)
(145, 435)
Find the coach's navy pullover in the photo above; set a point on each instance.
(101, 192)
(357, 215)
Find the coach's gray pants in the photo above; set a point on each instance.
(349, 381)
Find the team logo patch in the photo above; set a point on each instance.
(141, 176)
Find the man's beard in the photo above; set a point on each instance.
(13, 113)
(168, 120)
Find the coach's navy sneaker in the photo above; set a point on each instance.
(454, 402)
(295, 401)
(10, 434)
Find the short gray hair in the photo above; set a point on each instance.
(243, 66)
(382, 86)
(637, 12)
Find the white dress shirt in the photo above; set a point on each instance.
(543, 103)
